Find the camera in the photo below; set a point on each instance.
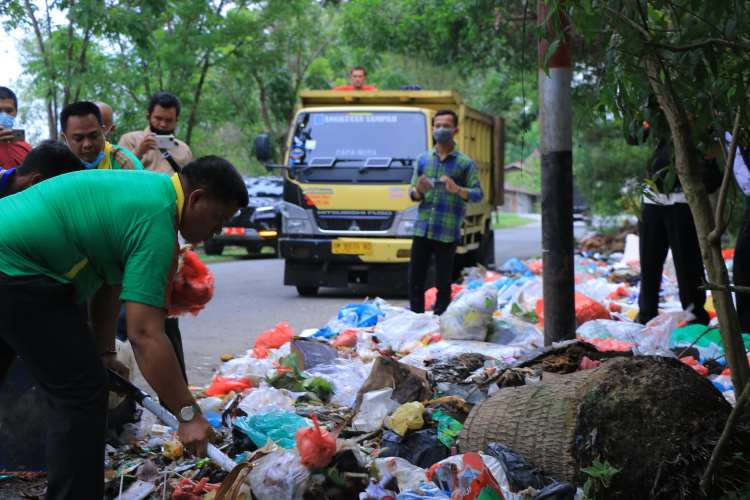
(165, 141)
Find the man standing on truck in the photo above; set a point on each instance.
(444, 180)
(358, 77)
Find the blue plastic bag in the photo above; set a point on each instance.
(359, 315)
(515, 266)
(280, 427)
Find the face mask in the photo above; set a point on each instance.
(6, 120)
(159, 131)
(90, 165)
(443, 136)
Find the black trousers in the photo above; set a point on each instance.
(171, 329)
(741, 271)
(40, 322)
(422, 249)
(663, 227)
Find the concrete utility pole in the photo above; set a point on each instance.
(557, 184)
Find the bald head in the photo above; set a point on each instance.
(108, 119)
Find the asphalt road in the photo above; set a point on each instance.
(250, 298)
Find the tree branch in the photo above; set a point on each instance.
(700, 44)
(630, 22)
(720, 225)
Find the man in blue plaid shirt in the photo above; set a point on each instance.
(444, 180)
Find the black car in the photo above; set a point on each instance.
(256, 226)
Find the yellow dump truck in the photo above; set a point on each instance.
(347, 216)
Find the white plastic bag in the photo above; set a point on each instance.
(375, 407)
(448, 348)
(511, 331)
(625, 331)
(657, 334)
(469, 317)
(402, 328)
(246, 367)
(407, 474)
(347, 377)
(279, 475)
(266, 399)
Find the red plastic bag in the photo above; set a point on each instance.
(224, 385)
(586, 309)
(272, 339)
(187, 489)
(469, 479)
(192, 285)
(430, 296)
(316, 447)
(695, 365)
(347, 338)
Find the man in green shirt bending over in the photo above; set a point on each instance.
(105, 236)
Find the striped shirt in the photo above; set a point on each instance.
(441, 213)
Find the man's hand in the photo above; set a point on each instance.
(194, 435)
(450, 184)
(147, 143)
(110, 361)
(423, 185)
(6, 135)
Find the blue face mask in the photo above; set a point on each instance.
(90, 165)
(6, 120)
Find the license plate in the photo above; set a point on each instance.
(233, 230)
(351, 247)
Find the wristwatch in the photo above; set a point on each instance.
(188, 413)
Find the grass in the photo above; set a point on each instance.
(229, 254)
(507, 220)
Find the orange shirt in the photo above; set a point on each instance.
(352, 87)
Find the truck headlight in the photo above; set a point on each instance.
(294, 220)
(407, 221)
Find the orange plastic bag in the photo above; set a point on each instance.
(316, 447)
(224, 385)
(430, 296)
(192, 285)
(347, 338)
(187, 489)
(272, 339)
(586, 309)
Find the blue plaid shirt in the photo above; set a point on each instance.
(441, 213)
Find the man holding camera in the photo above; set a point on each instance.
(13, 145)
(156, 146)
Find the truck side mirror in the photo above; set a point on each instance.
(263, 149)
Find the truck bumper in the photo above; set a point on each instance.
(311, 262)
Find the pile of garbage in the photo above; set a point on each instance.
(372, 405)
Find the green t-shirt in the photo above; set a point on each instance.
(94, 227)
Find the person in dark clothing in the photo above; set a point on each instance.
(667, 222)
(741, 270)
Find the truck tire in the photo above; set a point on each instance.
(487, 249)
(307, 290)
(213, 248)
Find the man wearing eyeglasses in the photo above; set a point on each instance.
(83, 132)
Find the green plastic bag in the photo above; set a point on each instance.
(687, 334)
(280, 427)
(448, 428)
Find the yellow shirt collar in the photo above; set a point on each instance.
(180, 196)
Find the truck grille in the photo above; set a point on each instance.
(354, 220)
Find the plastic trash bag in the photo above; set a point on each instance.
(316, 446)
(272, 339)
(657, 334)
(408, 475)
(266, 399)
(514, 266)
(192, 286)
(399, 330)
(407, 417)
(465, 477)
(347, 377)
(278, 475)
(607, 328)
(425, 489)
(247, 367)
(421, 448)
(347, 338)
(430, 295)
(224, 385)
(376, 406)
(359, 315)
(587, 309)
(449, 348)
(279, 426)
(448, 428)
(469, 317)
(511, 331)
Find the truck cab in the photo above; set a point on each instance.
(347, 218)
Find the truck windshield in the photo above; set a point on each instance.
(347, 140)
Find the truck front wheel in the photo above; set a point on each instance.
(307, 290)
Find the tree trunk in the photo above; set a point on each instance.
(689, 171)
(196, 98)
